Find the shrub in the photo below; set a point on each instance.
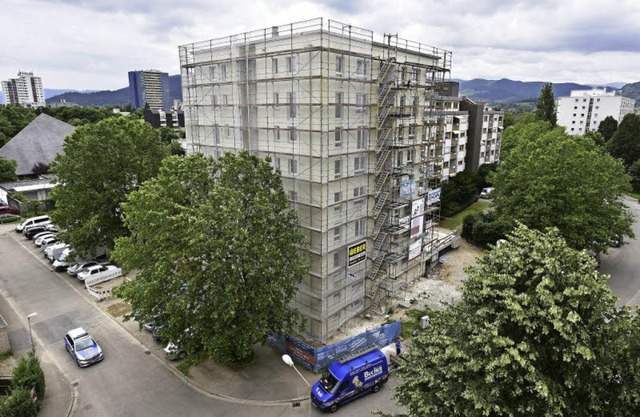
(28, 374)
(484, 229)
(19, 404)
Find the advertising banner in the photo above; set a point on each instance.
(357, 253)
(417, 207)
(416, 226)
(407, 188)
(304, 353)
(415, 249)
(433, 196)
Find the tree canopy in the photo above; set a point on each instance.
(552, 179)
(215, 244)
(608, 127)
(102, 163)
(546, 105)
(536, 334)
(625, 143)
(8, 170)
(14, 118)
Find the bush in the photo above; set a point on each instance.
(459, 193)
(28, 374)
(484, 229)
(20, 197)
(19, 404)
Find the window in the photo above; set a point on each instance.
(223, 70)
(416, 106)
(337, 196)
(336, 234)
(412, 131)
(293, 195)
(339, 62)
(359, 191)
(292, 64)
(293, 166)
(293, 134)
(214, 73)
(216, 134)
(225, 99)
(361, 103)
(336, 259)
(337, 210)
(276, 133)
(361, 138)
(358, 164)
(215, 101)
(277, 163)
(292, 105)
(359, 227)
(227, 130)
(338, 137)
(337, 168)
(362, 68)
(416, 75)
(411, 154)
(274, 65)
(338, 105)
(276, 99)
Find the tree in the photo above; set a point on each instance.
(102, 163)
(459, 192)
(625, 143)
(13, 118)
(29, 374)
(608, 127)
(546, 105)
(595, 137)
(483, 171)
(216, 246)
(526, 128)
(40, 168)
(634, 172)
(538, 333)
(8, 170)
(553, 179)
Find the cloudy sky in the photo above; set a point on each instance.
(92, 44)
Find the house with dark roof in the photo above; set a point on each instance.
(38, 143)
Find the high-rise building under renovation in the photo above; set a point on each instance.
(149, 87)
(362, 131)
(25, 90)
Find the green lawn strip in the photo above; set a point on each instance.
(634, 195)
(455, 222)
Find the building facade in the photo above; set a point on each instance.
(485, 133)
(149, 87)
(583, 110)
(362, 132)
(26, 90)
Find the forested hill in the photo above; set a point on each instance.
(113, 97)
(504, 90)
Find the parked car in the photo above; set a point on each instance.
(156, 333)
(75, 269)
(31, 231)
(83, 348)
(8, 210)
(173, 352)
(48, 241)
(99, 273)
(52, 252)
(37, 239)
(8, 218)
(31, 221)
(486, 192)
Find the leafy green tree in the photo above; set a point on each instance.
(595, 137)
(8, 170)
(459, 192)
(608, 127)
(13, 118)
(510, 118)
(29, 374)
(552, 179)
(538, 333)
(19, 404)
(546, 105)
(216, 246)
(102, 163)
(483, 171)
(634, 172)
(524, 129)
(625, 143)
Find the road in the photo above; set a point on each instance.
(130, 381)
(623, 264)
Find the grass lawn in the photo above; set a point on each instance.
(455, 222)
(634, 195)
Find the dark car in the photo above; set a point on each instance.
(8, 210)
(32, 231)
(156, 333)
(82, 347)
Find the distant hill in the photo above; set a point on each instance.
(506, 91)
(113, 97)
(631, 91)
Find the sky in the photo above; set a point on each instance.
(92, 44)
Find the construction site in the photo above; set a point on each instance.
(363, 130)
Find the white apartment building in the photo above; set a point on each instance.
(583, 110)
(25, 90)
(362, 132)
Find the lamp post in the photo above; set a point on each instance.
(33, 346)
(287, 359)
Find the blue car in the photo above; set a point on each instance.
(83, 348)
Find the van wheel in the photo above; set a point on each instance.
(333, 408)
(376, 388)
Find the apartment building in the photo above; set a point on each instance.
(484, 133)
(583, 110)
(149, 87)
(362, 132)
(26, 90)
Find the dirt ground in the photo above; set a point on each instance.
(443, 286)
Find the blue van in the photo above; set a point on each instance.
(351, 377)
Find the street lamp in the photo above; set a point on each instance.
(29, 317)
(287, 359)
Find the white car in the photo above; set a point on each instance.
(99, 273)
(75, 269)
(486, 192)
(47, 241)
(37, 239)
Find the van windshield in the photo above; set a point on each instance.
(328, 381)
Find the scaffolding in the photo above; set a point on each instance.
(349, 123)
